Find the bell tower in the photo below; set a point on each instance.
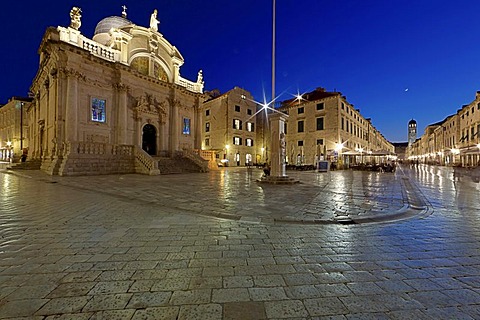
(412, 132)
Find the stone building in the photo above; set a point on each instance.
(113, 103)
(231, 128)
(452, 141)
(13, 129)
(324, 125)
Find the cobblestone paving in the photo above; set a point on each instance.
(93, 248)
(235, 194)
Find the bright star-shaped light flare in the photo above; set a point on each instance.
(265, 107)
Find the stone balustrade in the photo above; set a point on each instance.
(195, 156)
(144, 163)
(190, 85)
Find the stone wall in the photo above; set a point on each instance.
(97, 158)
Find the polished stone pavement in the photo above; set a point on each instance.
(218, 245)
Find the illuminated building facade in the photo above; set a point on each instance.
(113, 103)
(324, 125)
(232, 130)
(455, 141)
(13, 129)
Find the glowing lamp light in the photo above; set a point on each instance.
(455, 151)
(478, 146)
(262, 148)
(9, 143)
(338, 147)
(227, 146)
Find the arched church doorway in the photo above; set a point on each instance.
(149, 139)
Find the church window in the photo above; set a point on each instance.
(249, 112)
(320, 106)
(249, 142)
(207, 142)
(237, 108)
(301, 110)
(207, 127)
(207, 112)
(250, 126)
(98, 110)
(186, 126)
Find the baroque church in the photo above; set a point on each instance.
(113, 103)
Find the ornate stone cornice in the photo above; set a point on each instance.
(120, 87)
(70, 72)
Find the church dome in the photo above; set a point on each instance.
(108, 23)
(103, 28)
(412, 122)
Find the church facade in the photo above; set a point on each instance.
(113, 103)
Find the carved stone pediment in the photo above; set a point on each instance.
(148, 105)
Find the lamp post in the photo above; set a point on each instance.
(273, 53)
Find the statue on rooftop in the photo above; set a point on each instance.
(200, 77)
(154, 21)
(75, 15)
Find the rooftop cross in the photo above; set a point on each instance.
(124, 12)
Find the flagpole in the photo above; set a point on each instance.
(273, 57)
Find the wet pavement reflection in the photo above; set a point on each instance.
(138, 247)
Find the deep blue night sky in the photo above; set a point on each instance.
(394, 60)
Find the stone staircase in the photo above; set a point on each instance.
(176, 165)
(27, 165)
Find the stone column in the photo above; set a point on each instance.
(35, 131)
(122, 113)
(277, 151)
(277, 148)
(173, 126)
(162, 147)
(71, 108)
(139, 132)
(48, 144)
